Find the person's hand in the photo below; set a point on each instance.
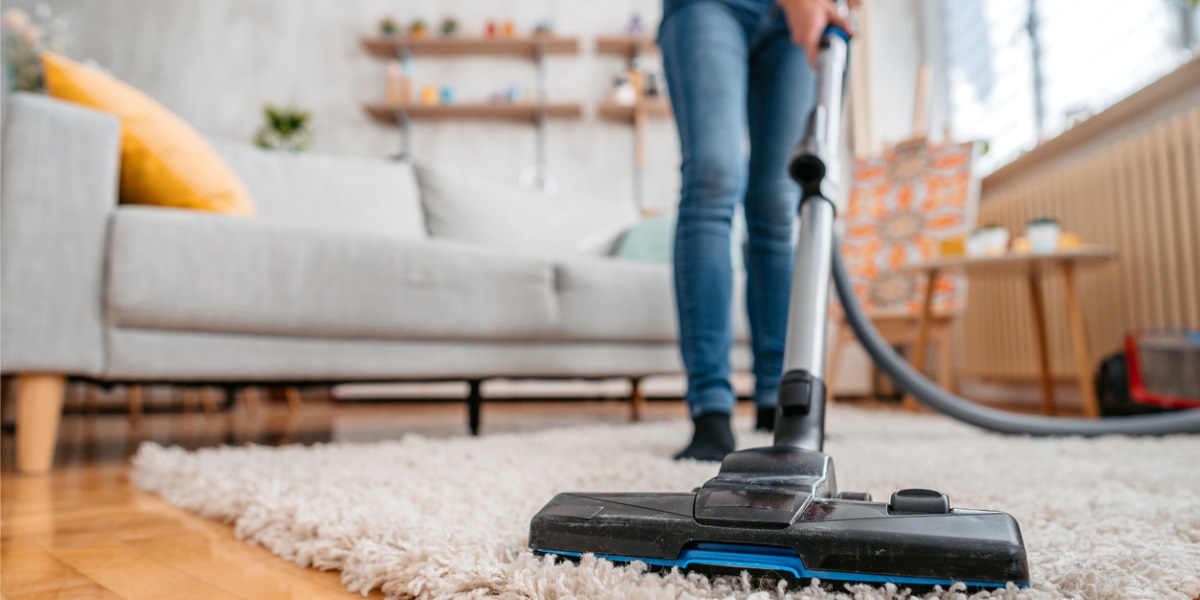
(807, 20)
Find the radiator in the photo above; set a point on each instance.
(1140, 195)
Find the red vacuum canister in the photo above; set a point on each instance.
(1164, 368)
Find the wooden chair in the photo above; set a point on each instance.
(899, 330)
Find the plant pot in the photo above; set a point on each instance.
(992, 241)
(1043, 237)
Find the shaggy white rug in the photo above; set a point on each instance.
(423, 518)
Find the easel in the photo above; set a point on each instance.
(902, 329)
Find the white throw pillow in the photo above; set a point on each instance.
(467, 207)
(320, 192)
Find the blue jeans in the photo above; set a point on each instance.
(733, 72)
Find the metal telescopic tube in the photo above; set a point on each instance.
(809, 310)
(800, 415)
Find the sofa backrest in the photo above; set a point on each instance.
(320, 192)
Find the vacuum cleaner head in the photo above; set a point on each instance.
(776, 513)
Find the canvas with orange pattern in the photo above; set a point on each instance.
(902, 205)
(164, 161)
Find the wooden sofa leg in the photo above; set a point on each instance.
(39, 410)
(637, 400)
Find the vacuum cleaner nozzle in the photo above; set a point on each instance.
(776, 513)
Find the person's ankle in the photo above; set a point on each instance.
(712, 438)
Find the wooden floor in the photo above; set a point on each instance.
(85, 532)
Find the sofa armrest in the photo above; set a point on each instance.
(58, 188)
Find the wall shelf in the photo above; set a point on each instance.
(459, 46)
(535, 48)
(629, 46)
(392, 114)
(656, 108)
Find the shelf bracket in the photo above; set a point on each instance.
(404, 55)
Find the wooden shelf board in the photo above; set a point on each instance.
(527, 113)
(658, 108)
(520, 47)
(626, 45)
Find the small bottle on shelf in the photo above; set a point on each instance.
(429, 95)
(510, 28)
(395, 85)
(490, 29)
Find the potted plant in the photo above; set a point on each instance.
(418, 29)
(26, 37)
(989, 240)
(286, 128)
(388, 27)
(1043, 234)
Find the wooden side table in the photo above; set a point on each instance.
(1031, 266)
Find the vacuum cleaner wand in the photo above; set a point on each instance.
(800, 412)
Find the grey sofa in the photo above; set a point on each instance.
(338, 279)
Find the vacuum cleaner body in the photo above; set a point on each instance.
(777, 511)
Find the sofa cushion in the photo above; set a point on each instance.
(179, 270)
(164, 162)
(605, 299)
(653, 240)
(320, 192)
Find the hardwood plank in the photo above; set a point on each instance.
(132, 574)
(239, 569)
(32, 572)
(83, 592)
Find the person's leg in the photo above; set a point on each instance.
(778, 103)
(705, 51)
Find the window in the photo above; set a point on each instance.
(1013, 79)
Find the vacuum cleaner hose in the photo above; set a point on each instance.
(929, 394)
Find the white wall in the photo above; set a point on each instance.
(216, 62)
(902, 34)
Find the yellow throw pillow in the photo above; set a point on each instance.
(164, 161)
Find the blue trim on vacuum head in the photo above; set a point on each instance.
(774, 559)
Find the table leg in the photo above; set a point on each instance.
(834, 361)
(945, 344)
(918, 360)
(637, 400)
(1043, 353)
(1079, 342)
